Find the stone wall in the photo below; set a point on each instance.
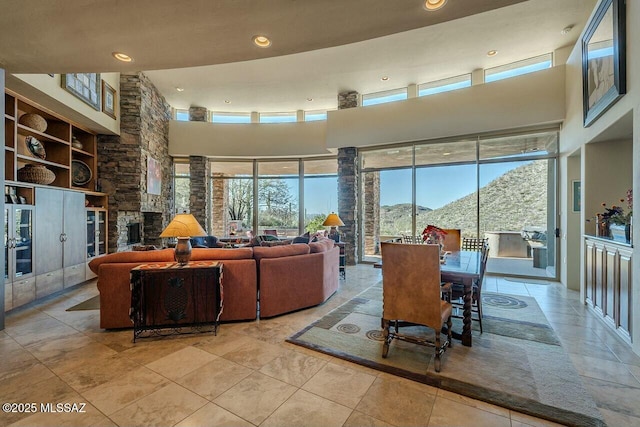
(219, 206)
(371, 214)
(123, 159)
(199, 171)
(348, 201)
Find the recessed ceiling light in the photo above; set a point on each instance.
(180, 89)
(492, 53)
(261, 41)
(309, 99)
(384, 78)
(434, 4)
(446, 154)
(226, 101)
(566, 30)
(122, 57)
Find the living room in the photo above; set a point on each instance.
(147, 126)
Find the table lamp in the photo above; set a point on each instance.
(333, 221)
(183, 226)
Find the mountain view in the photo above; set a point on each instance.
(515, 200)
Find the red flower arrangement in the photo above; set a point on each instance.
(433, 234)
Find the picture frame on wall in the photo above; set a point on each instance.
(575, 195)
(84, 86)
(604, 60)
(109, 100)
(154, 176)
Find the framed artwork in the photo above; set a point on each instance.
(154, 176)
(575, 195)
(108, 100)
(85, 86)
(604, 60)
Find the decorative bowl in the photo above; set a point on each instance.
(34, 121)
(35, 147)
(80, 173)
(36, 174)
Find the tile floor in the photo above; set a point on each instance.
(248, 375)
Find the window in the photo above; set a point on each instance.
(444, 85)
(182, 186)
(182, 115)
(320, 192)
(217, 117)
(278, 117)
(384, 97)
(313, 116)
(518, 68)
(278, 190)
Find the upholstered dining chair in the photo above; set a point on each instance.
(411, 295)
(451, 239)
(270, 232)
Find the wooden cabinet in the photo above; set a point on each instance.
(66, 146)
(19, 255)
(60, 239)
(608, 283)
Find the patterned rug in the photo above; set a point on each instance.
(517, 362)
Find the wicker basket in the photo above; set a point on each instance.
(34, 121)
(36, 174)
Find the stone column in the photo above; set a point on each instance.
(348, 201)
(219, 205)
(199, 171)
(197, 114)
(348, 186)
(371, 214)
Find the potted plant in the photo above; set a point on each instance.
(619, 222)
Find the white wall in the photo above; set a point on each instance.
(48, 92)
(527, 100)
(620, 122)
(247, 140)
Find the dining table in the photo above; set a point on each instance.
(461, 267)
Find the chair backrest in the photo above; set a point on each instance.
(411, 283)
(451, 239)
(473, 244)
(411, 239)
(270, 232)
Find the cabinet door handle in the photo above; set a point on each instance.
(62, 237)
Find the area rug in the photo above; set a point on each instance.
(90, 304)
(517, 362)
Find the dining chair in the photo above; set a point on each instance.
(456, 291)
(406, 238)
(270, 232)
(451, 240)
(411, 296)
(473, 244)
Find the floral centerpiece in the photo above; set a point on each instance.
(616, 216)
(434, 235)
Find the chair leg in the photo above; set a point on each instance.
(436, 361)
(387, 339)
(449, 326)
(479, 302)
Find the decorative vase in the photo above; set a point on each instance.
(618, 232)
(34, 121)
(602, 226)
(36, 174)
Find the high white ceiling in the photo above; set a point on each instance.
(319, 47)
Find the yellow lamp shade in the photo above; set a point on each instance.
(183, 225)
(333, 220)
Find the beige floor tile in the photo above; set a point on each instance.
(478, 404)
(307, 409)
(29, 377)
(213, 415)
(40, 331)
(224, 342)
(90, 416)
(340, 384)
(293, 368)
(398, 402)
(616, 419)
(614, 397)
(447, 412)
(49, 350)
(518, 419)
(145, 351)
(255, 354)
(76, 358)
(15, 360)
(165, 406)
(214, 378)
(94, 372)
(122, 391)
(255, 397)
(358, 419)
(181, 362)
(604, 370)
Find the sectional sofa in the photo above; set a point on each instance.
(258, 281)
